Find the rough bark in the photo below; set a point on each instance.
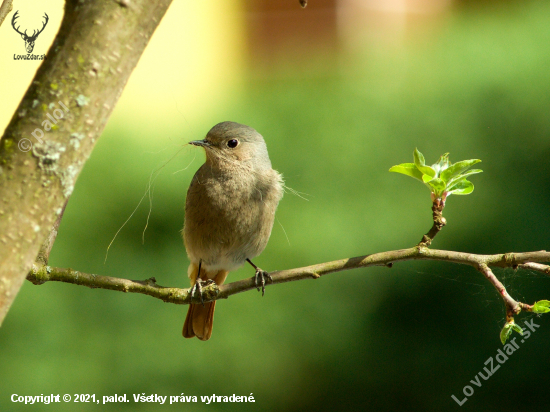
(5, 8)
(96, 49)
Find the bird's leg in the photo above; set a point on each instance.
(198, 285)
(259, 277)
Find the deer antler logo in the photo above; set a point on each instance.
(29, 40)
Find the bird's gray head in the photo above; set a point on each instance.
(234, 143)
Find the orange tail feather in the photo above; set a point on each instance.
(200, 319)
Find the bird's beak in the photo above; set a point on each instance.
(201, 143)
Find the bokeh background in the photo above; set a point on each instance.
(341, 91)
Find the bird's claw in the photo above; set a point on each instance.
(259, 279)
(197, 287)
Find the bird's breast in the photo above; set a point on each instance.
(229, 216)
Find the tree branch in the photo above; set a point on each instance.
(42, 274)
(5, 9)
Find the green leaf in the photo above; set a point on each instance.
(505, 333)
(418, 158)
(517, 328)
(462, 187)
(408, 169)
(542, 306)
(457, 169)
(455, 179)
(426, 178)
(437, 185)
(427, 171)
(471, 172)
(442, 164)
(420, 163)
(442, 178)
(507, 330)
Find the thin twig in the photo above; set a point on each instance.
(536, 266)
(46, 248)
(512, 307)
(439, 223)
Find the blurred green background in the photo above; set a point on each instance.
(337, 111)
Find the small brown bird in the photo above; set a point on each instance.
(229, 213)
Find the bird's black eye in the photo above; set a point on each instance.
(232, 143)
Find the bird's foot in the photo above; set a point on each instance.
(197, 287)
(260, 279)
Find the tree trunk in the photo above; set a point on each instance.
(59, 120)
